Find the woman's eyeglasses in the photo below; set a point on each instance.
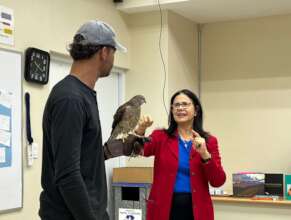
(183, 105)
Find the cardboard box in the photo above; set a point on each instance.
(133, 175)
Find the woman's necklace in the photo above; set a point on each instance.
(186, 143)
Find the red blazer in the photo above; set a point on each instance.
(165, 149)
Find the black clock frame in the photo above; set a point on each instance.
(27, 71)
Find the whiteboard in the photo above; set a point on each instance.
(10, 116)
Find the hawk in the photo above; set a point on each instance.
(123, 140)
(126, 118)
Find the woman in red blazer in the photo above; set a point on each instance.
(186, 160)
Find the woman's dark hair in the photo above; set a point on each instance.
(198, 121)
(80, 51)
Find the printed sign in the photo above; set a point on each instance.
(6, 26)
(129, 214)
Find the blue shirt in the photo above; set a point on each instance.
(183, 175)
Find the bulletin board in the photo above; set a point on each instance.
(10, 130)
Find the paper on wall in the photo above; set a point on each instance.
(2, 155)
(6, 26)
(5, 138)
(6, 98)
(4, 122)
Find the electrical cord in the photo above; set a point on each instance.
(161, 54)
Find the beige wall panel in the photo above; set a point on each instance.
(246, 90)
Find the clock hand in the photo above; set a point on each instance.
(37, 66)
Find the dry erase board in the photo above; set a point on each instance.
(10, 130)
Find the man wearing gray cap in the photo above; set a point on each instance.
(73, 170)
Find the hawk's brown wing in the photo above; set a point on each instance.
(126, 120)
(118, 116)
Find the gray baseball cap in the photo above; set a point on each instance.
(99, 33)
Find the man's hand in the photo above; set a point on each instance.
(132, 145)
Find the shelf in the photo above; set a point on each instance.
(229, 199)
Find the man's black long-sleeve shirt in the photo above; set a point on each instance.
(73, 170)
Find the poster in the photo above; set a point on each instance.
(6, 26)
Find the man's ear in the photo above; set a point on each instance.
(103, 53)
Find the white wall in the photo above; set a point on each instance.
(147, 76)
(183, 42)
(246, 90)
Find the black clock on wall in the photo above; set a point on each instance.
(37, 65)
